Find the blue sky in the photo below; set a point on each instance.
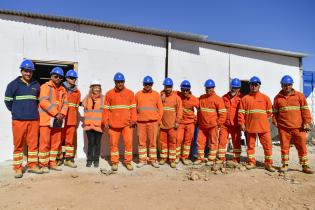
(280, 24)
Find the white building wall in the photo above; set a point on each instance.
(101, 52)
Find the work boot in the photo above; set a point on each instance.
(270, 168)
(173, 164)
(70, 164)
(18, 174)
(198, 162)
(217, 166)
(250, 166)
(88, 163)
(210, 163)
(186, 162)
(232, 164)
(129, 166)
(284, 168)
(96, 163)
(162, 162)
(115, 167)
(45, 169)
(55, 168)
(141, 164)
(306, 169)
(60, 162)
(155, 164)
(177, 160)
(35, 170)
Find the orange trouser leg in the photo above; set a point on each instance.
(114, 135)
(236, 141)
(299, 138)
(285, 139)
(70, 133)
(180, 139)
(188, 136)
(223, 139)
(142, 144)
(25, 131)
(163, 143)
(152, 128)
(213, 144)
(251, 143)
(201, 142)
(127, 134)
(265, 140)
(171, 137)
(55, 144)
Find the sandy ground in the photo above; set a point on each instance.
(163, 188)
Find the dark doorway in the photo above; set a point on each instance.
(245, 87)
(42, 70)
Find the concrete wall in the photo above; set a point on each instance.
(100, 52)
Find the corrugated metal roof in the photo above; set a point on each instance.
(158, 32)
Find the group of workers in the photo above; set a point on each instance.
(167, 118)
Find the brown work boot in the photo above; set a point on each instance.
(173, 164)
(55, 168)
(198, 162)
(70, 164)
(186, 162)
(306, 169)
(115, 167)
(18, 174)
(35, 170)
(177, 160)
(129, 166)
(270, 168)
(250, 166)
(45, 169)
(155, 164)
(218, 165)
(162, 162)
(232, 164)
(284, 168)
(210, 163)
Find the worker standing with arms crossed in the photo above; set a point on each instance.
(149, 114)
(120, 118)
(293, 119)
(253, 118)
(21, 100)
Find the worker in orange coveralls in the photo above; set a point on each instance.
(149, 114)
(53, 107)
(254, 112)
(293, 119)
(120, 118)
(68, 133)
(185, 131)
(21, 100)
(232, 102)
(211, 116)
(172, 116)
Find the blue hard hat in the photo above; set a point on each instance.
(147, 80)
(236, 83)
(27, 64)
(286, 79)
(57, 70)
(209, 83)
(119, 77)
(185, 84)
(71, 73)
(168, 82)
(254, 79)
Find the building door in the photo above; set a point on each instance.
(245, 87)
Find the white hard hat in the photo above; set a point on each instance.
(95, 82)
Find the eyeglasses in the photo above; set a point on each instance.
(147, 84)
(55, 76)
(72, 78)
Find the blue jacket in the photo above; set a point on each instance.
(21, 99)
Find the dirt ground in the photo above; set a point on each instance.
(163, 188)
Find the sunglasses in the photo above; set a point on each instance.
(72, 78)
(57, 76)
(147, 84)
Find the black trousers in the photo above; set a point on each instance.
(94, 145)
